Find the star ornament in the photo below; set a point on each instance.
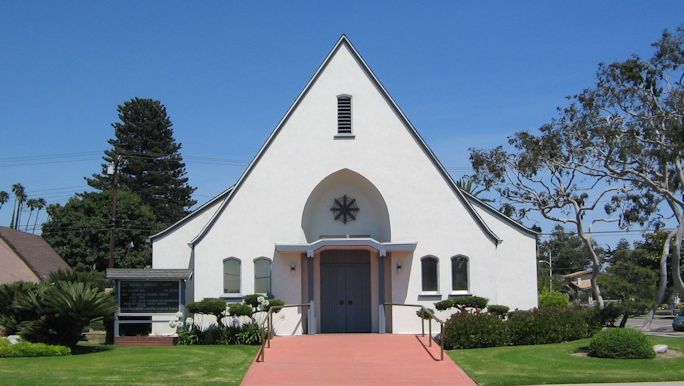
(344, 209)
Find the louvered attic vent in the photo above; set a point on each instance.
(344, 114)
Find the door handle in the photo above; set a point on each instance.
(341, 302)
(350, 302)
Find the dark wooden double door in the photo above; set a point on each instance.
(345, 291)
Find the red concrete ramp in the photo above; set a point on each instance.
(354, 359)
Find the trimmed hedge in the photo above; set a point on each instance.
(465, 330)
(547, 325)
(538, 326)
(28, 349)
(621, 343)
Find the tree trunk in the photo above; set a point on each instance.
(623, 322)
(28, 221)
(595, 263)
(14, 213)
(676, 258)
(35, 222)
(662, 285)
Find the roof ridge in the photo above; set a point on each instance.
(421, 142)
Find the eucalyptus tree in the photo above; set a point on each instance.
(633, 120)
(539, 172)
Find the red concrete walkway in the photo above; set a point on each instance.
(354, 359)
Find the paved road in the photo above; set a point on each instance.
(661, 326)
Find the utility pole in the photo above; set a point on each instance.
(113, 170)
(550, 263)
(550, 272)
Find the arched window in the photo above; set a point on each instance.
(428, 266)
(459, 273)
(262, 275)
(231, 276)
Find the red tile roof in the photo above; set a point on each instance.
(34, 251)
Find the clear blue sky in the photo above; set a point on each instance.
(467, 74)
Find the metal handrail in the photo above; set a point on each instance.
(268, 333)
(431, 314)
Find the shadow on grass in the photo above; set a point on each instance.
(90, 349)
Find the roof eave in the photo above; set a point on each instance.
(191, 215)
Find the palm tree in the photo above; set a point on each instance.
(32, 204)
(467, 184)
(4, 197)
(20, 195)
(41, 204)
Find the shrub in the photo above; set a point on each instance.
(470, 302)
(92, 278)
(607, 315)
(274, 303)
(61, 311)
(500, 311)
(552, 299)
(621, 343)
(463, 303)
(10, 315)
(466, 330)
(444, 305)
(240, 309)
(250, 333)
(209, 306)
(28, 349)
(421, 313)
(189, 337)
(547, 325)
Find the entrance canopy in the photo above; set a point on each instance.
(347, 243)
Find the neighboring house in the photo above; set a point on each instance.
(26, 257)
(580, 284)
(346, 208)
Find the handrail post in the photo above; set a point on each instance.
(270, 326)
(430, 332)
(441, 341)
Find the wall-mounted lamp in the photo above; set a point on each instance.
(292, 267)
(398, 266)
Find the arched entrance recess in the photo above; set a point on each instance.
(371, 220)
(345, 252)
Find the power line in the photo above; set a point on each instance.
(60, 158)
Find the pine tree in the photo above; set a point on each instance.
(148, 160)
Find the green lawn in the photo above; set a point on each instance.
(134, 365)
(552, 363)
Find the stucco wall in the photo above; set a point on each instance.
(422, 207)
(517, 264)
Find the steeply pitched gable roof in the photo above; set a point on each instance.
(194, 213)
(343, 41)
(34, 251)
(491, 210)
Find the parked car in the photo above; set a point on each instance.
(678, 322)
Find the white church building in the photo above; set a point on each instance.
(346, 208)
